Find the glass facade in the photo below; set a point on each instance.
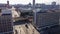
(47, 19)
(6, 24)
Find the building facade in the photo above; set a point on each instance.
(25, 29)
(6, 24)
(46, 19)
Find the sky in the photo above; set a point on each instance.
(29, 1)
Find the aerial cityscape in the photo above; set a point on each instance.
(31, 18)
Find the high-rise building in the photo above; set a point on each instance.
(46, 18)
(6, 24)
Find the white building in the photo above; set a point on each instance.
(25, 29)
(15, 14)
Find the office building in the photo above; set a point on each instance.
(6, 24)
(45, 18)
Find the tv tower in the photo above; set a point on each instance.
(34, 12)
(33, 4)
(7, 4)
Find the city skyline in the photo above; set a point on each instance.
(29, 1)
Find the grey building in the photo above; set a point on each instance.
(46, 19)
(6, 25)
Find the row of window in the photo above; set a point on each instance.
(5, 23)
(7, 33)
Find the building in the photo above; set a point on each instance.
(6, 23)
(15, 13)
(46, 18)
(21, 27)
(53, 3)
(46, 21)
(5, 5)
